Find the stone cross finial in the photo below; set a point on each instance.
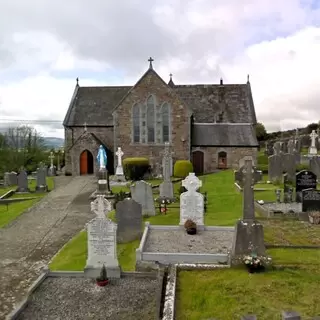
(192, 183)
(51, 157)
(313, 137)
(77, 81)
(101, 206)
(170, 75)
(150, 62)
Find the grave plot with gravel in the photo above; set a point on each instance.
(178, 241)
(80, 298)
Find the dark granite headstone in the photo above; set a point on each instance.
(304, 180)
(23, 182)
(310, 200)
(129, 220)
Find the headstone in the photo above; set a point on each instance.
(275, 164)
(141, 192)
(166, 187)
(52, 170)
(242, 161)
(58, 162)
(304, 180)
(314, 165)
(102, 242)
(23, 182)
(191, 201)
(283, 147)
(290, 315)
(310, 200)
(278, 195)
(239, 175)
(41, 179)
(129, 220)
(249, 236)
(313, 149)
(290, 146)
(10, 179)
(119, 169)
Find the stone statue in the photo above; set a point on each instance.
(102, 158)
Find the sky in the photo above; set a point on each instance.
(45, 45)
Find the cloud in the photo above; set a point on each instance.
(45, 45)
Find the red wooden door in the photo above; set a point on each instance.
(84, 163)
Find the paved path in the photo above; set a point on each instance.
(29, 242)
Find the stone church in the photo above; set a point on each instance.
(212, 125)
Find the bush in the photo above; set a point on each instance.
(135, 168)
(119, 197)
(182, 168)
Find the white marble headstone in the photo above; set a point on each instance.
(102, 241)
(119, 169)
(191, 201)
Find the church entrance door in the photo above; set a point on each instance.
(222, 160)
(86, 163)
(198, 162)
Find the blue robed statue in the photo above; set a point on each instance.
(102, 158)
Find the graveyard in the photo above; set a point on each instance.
(9, 209)
(238, 215)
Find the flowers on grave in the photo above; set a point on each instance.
(190, 226)
(255, 263)
(314, 217)
(102, 280)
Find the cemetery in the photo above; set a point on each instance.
(156, 268)
(20, 192)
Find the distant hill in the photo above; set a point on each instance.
(52, 142)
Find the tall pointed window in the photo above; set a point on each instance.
(151, 119)
(165, 122)
(136, 123)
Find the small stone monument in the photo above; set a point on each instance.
(119, 169)
(22, 182)
(52, 169)
(41, 179)
(102, 242)
(313, 149)
(166, 187)
(248, 236)
(141, 192)
(275, 164)
(192, 202)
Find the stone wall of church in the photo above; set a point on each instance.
(72, 155)
(151, 84)
(233, 156)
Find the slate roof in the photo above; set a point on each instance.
(233, 102)
(94, 105)
(223, 135)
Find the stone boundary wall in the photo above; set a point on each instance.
(80, 274)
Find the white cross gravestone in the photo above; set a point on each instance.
(52, 171)
(191, 201)
(119, 169)
(102, 241)
(313, 149)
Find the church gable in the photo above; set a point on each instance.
(149, 112)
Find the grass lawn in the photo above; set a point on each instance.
(230, 293)
(14, 210)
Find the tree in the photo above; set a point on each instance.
(24, 147)
(261, 132)
(312, 126)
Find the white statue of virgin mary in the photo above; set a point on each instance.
(102, 158)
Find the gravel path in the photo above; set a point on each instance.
(79, 298)
(29, 242)
(179, 241)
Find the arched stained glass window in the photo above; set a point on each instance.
(165, 122)
(136, 123)
(151, 119)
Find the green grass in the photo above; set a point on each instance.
(14, 210)
(73, 255)
(231, 293)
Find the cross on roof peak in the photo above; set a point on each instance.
(150, 62)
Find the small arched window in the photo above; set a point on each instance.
(165, 122)
(136, 123)
(151, 119)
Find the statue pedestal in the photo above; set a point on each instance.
(103, 185)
